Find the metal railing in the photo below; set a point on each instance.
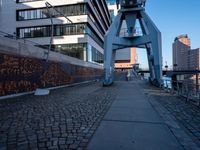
(21, 40)
(187, 89)
(27, 42)
(137, 32)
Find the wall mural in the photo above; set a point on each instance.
(22, 74)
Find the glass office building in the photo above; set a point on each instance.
(82, 39)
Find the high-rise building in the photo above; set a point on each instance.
(125, 58)
(181, 48)
(194, 62)
(185, 58)
(82, 39)
(194, 59)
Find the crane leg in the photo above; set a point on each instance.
(109, 53)
(155, 50)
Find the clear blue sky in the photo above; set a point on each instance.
(173, 17)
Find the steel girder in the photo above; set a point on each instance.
(150, 39)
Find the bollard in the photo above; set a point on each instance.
(198, 97)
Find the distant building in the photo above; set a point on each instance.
(185, 58)
(181, 48)
(125, 58)
(112, 8)
(194, 59)
(84, 39)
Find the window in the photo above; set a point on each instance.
(111, 2)
(23, 1)
(77, 51)
(59, 30)
(42, 13)
(68, 10)
(73, 50)
(112, 14)
(97, 56)
(45, 31)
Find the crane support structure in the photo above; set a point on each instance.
(131, 11)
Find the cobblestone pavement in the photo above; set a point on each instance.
(65, 119)
(178, 114)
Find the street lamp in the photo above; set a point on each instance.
(49, 6)
(175, 65)
(166, 66)
(40, 91)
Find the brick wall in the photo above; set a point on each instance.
(22, 74)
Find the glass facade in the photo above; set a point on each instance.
(23, 1)
(45, 31)
(97, 56)
(41, 13)
(83, 51)
(111, 2)
(90, 31)
(59, 30)
(95, 11)
(74, 50)
(68, 10)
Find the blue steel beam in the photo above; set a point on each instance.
(130, 11)
(131, 43)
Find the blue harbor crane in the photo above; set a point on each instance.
(131, 11)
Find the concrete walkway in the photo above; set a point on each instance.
(132, 124)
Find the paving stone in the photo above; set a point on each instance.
(64, 135)
(3, 148)
(73, 146)
(184, 114)
(11, 146)
(41, 145)
(61, 142)
(63, 147)
(53, 148)
(55, 121)
(68, 142)
(82, 144)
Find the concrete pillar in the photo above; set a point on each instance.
(89, 53)
(197, 82)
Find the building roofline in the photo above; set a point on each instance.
(181, 36)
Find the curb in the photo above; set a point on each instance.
(51, 88)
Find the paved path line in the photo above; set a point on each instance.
(51, 88)
(133, 125)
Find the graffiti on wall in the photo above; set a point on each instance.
(21, 74)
